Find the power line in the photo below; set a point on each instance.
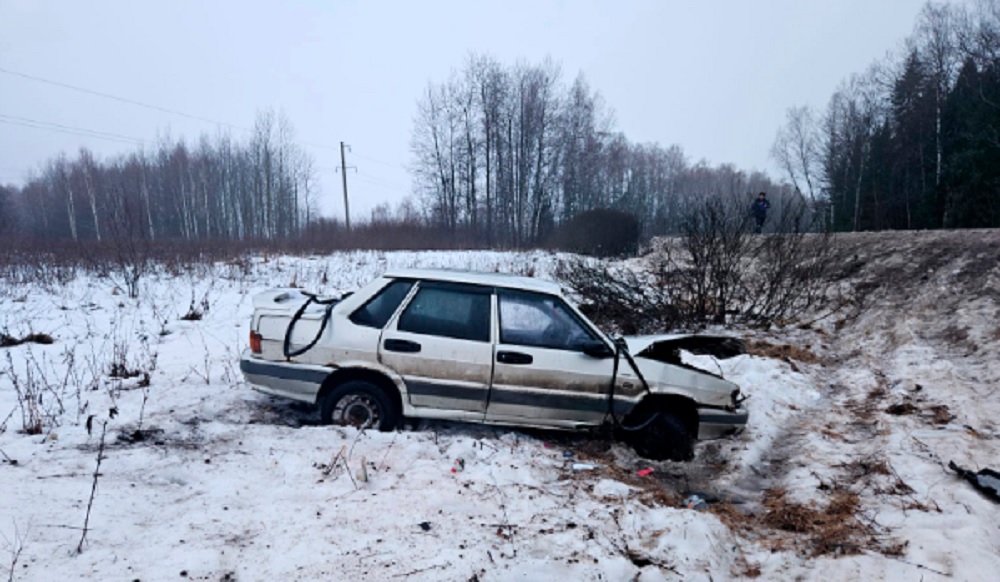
(49, 126)
(121, 99)
(377, 161)
(380, 182)
(371, 182)
(142, 104)
(68, 129)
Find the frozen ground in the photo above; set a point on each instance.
(840, 475)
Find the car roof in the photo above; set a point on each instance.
(502, 280)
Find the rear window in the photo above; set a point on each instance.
(379, 309)
(448, 311)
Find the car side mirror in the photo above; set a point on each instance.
(596, 349)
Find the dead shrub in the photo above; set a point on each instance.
(718, 271)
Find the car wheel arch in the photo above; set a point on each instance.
(683, 407)
(342, 375)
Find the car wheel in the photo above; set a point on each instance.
(359, 404)
(665, 438)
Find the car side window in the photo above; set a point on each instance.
(544, 321)
(448, 311)
(377, 310)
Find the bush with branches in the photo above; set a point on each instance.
(602, 232)
(718, 272)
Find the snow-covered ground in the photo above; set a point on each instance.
(203, 478)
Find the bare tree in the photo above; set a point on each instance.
(938, 45)
(798, 152)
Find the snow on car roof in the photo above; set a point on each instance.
(504, 280)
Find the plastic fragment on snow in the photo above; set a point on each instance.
(458, 465)
(362, 474)
(986, 481)
(695, 502)
(567, 454)
(644, 472)
(584, 467)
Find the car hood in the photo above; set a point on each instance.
(658, 358)
(666, 347)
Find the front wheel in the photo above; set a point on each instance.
(665, 438)
(361, 405)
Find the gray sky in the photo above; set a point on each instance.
(713, 76)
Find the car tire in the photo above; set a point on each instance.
(360, 404)
(665, 438)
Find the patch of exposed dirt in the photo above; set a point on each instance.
(838, 526)
(906, 262)
(766, 349)
(901, 408)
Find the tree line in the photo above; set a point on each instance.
(914, 141)
(509, 152)
(503, 154)
(260, 188)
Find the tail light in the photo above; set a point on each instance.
(255, 342)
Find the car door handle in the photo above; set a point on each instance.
(514, 358)
(398, 345)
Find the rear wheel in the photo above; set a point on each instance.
(665, 438)
(359, 404)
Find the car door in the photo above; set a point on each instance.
(541, 374)
(441, 345)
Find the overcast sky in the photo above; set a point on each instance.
(712, 76)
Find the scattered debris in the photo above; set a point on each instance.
(155, 435)
(8, 341)
(425, 525)
(644, 472)
(901, 408)
(940, 414)
(695, 502)
(362, 472)
(7, 459)
(986, 481)
(458, 465)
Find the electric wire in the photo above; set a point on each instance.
(51, 126)
(69, 129)
(121, 99)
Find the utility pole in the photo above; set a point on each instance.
(343, 175)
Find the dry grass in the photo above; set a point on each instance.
(786, 352)
(940, 414)
(836, 528)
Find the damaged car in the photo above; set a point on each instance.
(486, 348)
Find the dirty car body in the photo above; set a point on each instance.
(478, 347)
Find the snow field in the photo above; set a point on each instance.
(222, 481)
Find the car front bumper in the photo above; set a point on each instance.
(715, 423)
